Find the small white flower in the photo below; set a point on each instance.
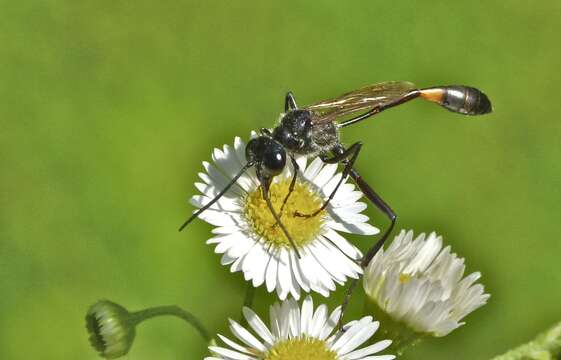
(420, 285)
(300, 334)
(250, 240)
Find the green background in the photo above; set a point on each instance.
(107, 109)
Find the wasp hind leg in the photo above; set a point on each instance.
(374, 198)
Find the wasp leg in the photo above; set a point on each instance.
(348, 157)
(290, 102)
(265, 191)
(290, 188)
(346, 300)
(292, 184)
(385, 208)
(371, 195)
(382, 206)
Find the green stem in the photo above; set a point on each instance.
(546, 346)
(247, 301)
(170, 310)
(401, 335)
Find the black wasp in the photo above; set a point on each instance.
(314, 131)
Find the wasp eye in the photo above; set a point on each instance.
(274, 160)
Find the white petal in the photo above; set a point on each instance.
(330, 324)
(294, 317)
(271, 274)
(245, 336)
(226, 242)
(346, 198)
(329, 261)
(328, 188)
(223, 204)
(343, 245)
(228, 164)
(322, 279)
(325, 175)
(369, 350)
(306, 315)
(258, 275)
(241, 247)
(226, 229)
(284, 279)
(226, 260)
(258, 325)
(350, 217)
(379, 357)
(217, 179)
(365, 330)
(220, 218)
(234, 345)
(313, 169)
(319, 319)
(301, 160)
(302, 281)
(354, 228)
(255, 263)
(230, 354)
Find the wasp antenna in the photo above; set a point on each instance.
(278, 220)
(215, 199)
(290, 102)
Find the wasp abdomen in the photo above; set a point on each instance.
(460, 99)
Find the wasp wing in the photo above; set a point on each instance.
(371, 96)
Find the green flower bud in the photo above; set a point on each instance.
(111, 329)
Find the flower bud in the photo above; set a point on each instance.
(111, 329)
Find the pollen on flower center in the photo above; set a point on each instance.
(404, 278)
(303, 348)
(303, 200)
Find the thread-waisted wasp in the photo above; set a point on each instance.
(314, 131)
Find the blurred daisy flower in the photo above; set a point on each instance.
(250, 240)
(300, 333)
(417, 283)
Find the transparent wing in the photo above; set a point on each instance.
(371, 96)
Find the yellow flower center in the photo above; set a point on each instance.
(303, 200)
(404, 278)
(304, 348)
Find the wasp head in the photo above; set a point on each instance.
(267, 154)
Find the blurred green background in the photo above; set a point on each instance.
(108, 108)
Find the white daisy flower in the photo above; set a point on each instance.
(418, 284)
(300, 334)
(250, 240)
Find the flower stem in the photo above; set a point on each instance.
(401, 335)
(170, 310)
(546, 346)
(247, 302)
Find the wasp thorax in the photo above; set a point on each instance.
(269, 155)
(295, 129)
